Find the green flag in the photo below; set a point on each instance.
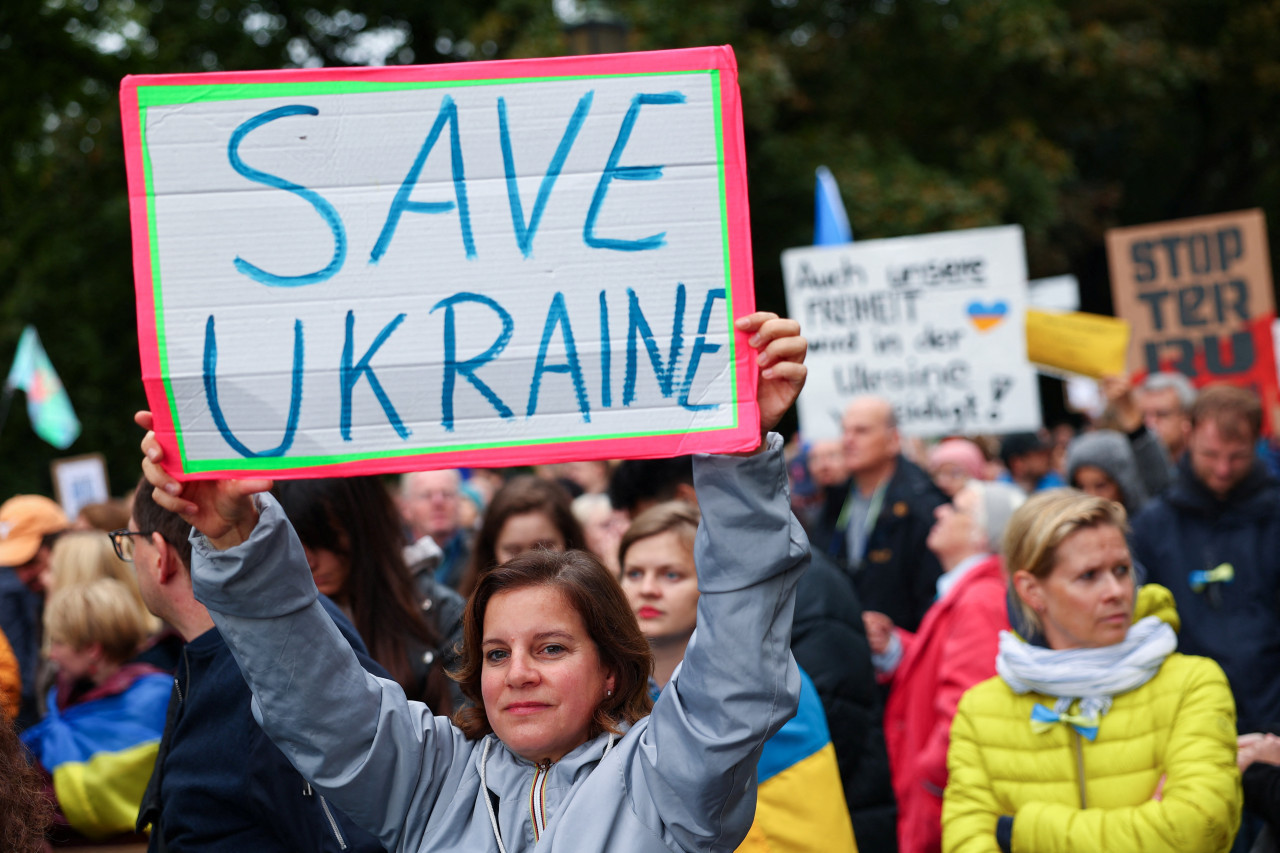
(48, 405)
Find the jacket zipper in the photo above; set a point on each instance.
(186, 668)
(538, 799)
(1084, 802)
(324, 804)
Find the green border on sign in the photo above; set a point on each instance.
(154, 96)
(257, 463)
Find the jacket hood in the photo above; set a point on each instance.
(1156, 600)
(1109, 451)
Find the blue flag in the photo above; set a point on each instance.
(48, 405)
(830, 222)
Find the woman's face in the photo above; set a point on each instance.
(603, 531)
(1087, 600)
(524, 532)
(1092, 480)
(950, 477)
(330, 571)
(955, 530)
(72, 662)
(661, 584)
(541, 678)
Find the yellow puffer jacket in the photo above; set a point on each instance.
(1180, 727)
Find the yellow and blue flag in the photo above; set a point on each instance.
(100, 753)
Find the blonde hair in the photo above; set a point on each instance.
(1039, 526)
(80, 557)
(101, 612)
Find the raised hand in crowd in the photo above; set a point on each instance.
(223, 510)
(1122, 405)
(780, 357)
(1255, 747)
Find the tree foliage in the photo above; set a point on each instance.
(1065, 117)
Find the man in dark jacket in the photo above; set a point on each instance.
(1214, 539)
(875, 526)
(219, 783)
(829, 643)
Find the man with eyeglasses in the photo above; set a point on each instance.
(29, 524)
(219, 783)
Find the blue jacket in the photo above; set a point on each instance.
(1236, 623)
(220, 784)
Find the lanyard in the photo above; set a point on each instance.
(873, 510)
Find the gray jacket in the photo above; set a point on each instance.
(683, 778)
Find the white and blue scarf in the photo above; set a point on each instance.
(1090, 676)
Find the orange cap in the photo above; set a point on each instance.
(24, 522)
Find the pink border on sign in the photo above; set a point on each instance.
(742, 437)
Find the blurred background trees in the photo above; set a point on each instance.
(1064, 117)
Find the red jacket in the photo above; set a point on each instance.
(954, 649)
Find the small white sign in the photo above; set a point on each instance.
(79, 481)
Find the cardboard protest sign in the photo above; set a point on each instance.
(1074, 342)
(365, 270)
(932, 323)
(1198, 294)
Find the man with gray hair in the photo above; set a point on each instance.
(875, 525)
(429, 504)
(1165, 399)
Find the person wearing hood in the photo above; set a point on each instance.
(1101, 463)
(1095, 734)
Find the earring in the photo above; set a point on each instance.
(608, 693)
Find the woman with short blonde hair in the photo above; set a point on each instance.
(101, 735)
(1096, 734)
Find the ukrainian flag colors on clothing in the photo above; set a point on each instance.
(800, 803)
(101, 754)
(48, 405)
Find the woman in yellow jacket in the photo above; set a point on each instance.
(1096, 735)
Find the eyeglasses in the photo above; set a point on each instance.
(122, 541)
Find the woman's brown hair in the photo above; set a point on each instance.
(1039, 526)
(594, 593)
(25, 811)
(519, 495)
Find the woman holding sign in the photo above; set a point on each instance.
(561, 748)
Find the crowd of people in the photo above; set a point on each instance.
(1066, 640)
